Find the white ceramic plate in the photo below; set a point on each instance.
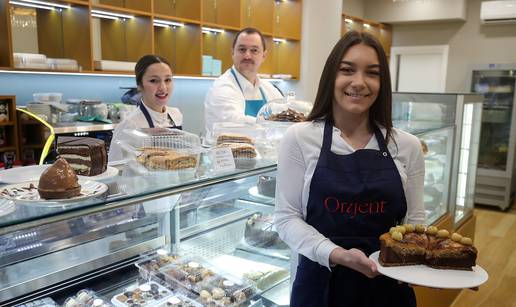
(423, 275)
(109, 173)
(22, 174)
(20, 192)
(33, 172)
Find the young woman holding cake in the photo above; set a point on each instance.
(154, 81)
(345, 176)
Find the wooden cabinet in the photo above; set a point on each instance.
(58, 37)
(75, 33)
(126, 39)
(185, 9)
(287, 23)
(225, 13)
(258, 14)
(135, 5)
(181, 46)
(382, 32)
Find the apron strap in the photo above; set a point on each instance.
(381, 141)
(149, 118)
(238, 83)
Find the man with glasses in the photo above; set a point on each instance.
(238, 94)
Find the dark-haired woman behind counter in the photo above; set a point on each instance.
(154, 81)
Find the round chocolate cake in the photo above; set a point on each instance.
(59, 181)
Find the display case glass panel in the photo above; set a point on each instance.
(449, 128)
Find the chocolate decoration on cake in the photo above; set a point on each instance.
(59, 181)
(87, 156)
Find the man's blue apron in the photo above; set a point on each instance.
(353, 200)
(151, 122)
(252, 106)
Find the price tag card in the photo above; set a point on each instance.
(223, 160)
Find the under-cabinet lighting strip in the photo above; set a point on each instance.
(157, 24)
(111, 14)
(170, 23)
(279, 40)
(61, 6)
(212, 30)
(104, 16)
(348, 20)
(32, 5)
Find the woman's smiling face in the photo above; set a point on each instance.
(157, 85)
(357, 83)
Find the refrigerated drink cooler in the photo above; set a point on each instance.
(495, 185)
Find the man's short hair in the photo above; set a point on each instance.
(250, 30)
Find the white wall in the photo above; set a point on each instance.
(470, 43)
(353, 7)
(320, 32)
(388, 11)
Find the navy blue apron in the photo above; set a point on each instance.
(252, 106)
(149, 118)
(353, 200)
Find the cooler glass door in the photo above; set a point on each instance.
(497, 86)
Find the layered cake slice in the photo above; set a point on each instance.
(403, 245)
(430, 246)
(87, 156)
(450, 252)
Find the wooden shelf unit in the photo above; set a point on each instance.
(32, 136)
(73, 33)
(10, 130)
(381, 31)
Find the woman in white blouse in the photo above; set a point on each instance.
(345, 176)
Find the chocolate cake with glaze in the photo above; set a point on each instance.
(59, 181)
(409, 245)
(87, 156)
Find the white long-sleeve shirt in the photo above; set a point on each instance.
(298, 156)
(135, 120)
(225, 101)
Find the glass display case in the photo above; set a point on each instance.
(497, 84)
(448, 126)
(50, 251)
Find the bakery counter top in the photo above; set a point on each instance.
(21, 208)
(72, 127)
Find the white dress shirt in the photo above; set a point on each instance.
(299, 153)
(135, 120)
(225, 101)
